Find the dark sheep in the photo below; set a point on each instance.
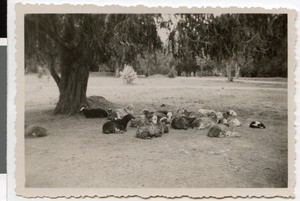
(165, 112)
(118, 125)
(257, 124)
(182, 122)
(94, 113)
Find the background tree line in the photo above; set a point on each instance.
(252, 45)
(71, 45)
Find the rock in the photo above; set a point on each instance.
(33, 131)
(100, 102)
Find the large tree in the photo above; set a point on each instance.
(77, 41)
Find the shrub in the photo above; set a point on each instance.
(128, 74)
(172, 73)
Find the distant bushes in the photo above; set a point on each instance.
(265, 68)
(172, 73)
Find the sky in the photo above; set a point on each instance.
(164, 33)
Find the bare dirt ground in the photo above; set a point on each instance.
(77, 154)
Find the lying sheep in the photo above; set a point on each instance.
(222, 131)
(182, 112)
(160, 114)
(234, 122)
(139, 121)
(118, 125)
(182, 122)
(203, 123)
(154, 129)
(163, 123)
(120, 113)
(257, 124)
(206, 113)
(33, 131)
(230, 118)
(93, 113)
(165, 112)
(229, 113)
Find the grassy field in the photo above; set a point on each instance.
(77, 154)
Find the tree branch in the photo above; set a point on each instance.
(251, 38)
(53, 32)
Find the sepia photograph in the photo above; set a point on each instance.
(156, 100)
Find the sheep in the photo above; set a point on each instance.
(229, 113)
(203, 123)
(206, 113)
(93, 113)
(160, 114)
(182, 122)
(233, 121)
(139, 121)
(257, 124)
(229, 118)
(154, 129)
(33, 131)
(163, 123)
(184, 112)
(147, 113)
(120, 113)
(118, 125)
(165, 112)
(169, 117)
(222, 131)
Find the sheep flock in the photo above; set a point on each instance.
(150, 124)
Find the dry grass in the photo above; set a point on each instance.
(77, 154)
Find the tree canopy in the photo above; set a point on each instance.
(75, 42)
(231, 38)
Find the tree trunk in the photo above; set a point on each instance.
(228, 69)
(149, 71)
(201, 71)
(117, 70)
(237, 70)
(73, 85)
(178, 73)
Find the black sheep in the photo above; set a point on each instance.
(165, 112)
(94, 113)
(182, 122)
(257, 124)
(118, 125)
